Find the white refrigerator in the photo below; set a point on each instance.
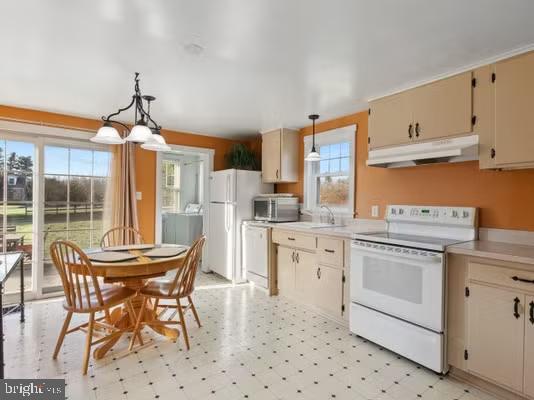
(231, 195)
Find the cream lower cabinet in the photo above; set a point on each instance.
(286, 270)
(495, 334)
(327, 287)
(304, 273)
(529, 347)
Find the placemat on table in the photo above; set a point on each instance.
(125, 247)
(110, 256)
(166, 251)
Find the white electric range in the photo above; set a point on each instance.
(398, 280)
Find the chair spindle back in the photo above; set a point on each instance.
(121, 235)
(77, 275)
(183, 283)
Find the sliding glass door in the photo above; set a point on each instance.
(17, 220)
(49, 189)
(75, 181)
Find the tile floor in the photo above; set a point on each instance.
(250, 346)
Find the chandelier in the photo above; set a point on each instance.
(145, 130)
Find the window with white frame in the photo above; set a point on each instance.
(330, 181)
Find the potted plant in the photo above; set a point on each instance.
(241, 157)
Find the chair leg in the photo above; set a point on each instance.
(137, 328)
(88, 341)
(194, 311)
(182, 322)
(62, 334)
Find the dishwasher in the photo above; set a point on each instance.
(256, 254)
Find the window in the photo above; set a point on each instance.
(171, 191)
(330, 181)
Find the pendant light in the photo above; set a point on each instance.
(314, 155)
(145, 131)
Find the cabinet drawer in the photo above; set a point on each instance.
(502, 276)
(294, 239)
(330, 251)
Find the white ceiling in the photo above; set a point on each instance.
(265, 63)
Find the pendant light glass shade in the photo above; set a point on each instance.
(156, 142)
(107, 134)
(140, 133)
(313, 155)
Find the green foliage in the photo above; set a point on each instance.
(241, 157)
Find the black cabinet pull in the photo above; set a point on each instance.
(516, 307)
(410, 131)
(290, 238)
(298, 258)
(417, 129)
(293, 256)
(518, 279)
(531, 319)
(329, 251)
(319, 273)
(276, 174)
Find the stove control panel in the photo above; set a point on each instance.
(463, 216)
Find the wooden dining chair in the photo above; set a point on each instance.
(84, 295)
(121, 235)
(181, 287)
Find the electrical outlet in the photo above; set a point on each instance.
(139, 195)
(374, 211)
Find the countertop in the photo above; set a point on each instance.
(346, 231)
(519, 253)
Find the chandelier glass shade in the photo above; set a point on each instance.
(145, 130)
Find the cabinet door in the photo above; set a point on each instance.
(529, 347)
(514, 119)
(305, 266)
(443, 108)
(270, 156)
(286, 271)
(495, 334)
(328, 289)
(390, 119)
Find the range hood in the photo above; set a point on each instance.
(450, 150)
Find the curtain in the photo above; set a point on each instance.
(121, 203)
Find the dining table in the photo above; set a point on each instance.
(134, 274)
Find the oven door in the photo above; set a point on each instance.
(405, 283)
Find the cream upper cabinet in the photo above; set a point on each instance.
(286, 270)
(279, 161)
(529, 347)
(514, 116)
(495, 327)
(443, 108)
(436, 110)
(391, 120)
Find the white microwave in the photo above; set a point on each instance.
(276, 209)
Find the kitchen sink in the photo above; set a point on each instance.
(310, 225)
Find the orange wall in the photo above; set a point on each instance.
(145, 160)
(505, 198)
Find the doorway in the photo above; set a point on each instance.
(182, 193)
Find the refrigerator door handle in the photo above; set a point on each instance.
(227, 188)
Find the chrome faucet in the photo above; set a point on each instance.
(332, 219)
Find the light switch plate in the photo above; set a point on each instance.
(375, 211)
(139, 195)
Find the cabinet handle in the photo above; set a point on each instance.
(290, 238)
(518, 279)
(417, 129)
(516, 307)
(329, 251)
(319, 273)
(276, 174)
(293, 256)
(298, 258)
(410, 131)
(531, 319)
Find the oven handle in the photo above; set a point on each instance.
(395, 256)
